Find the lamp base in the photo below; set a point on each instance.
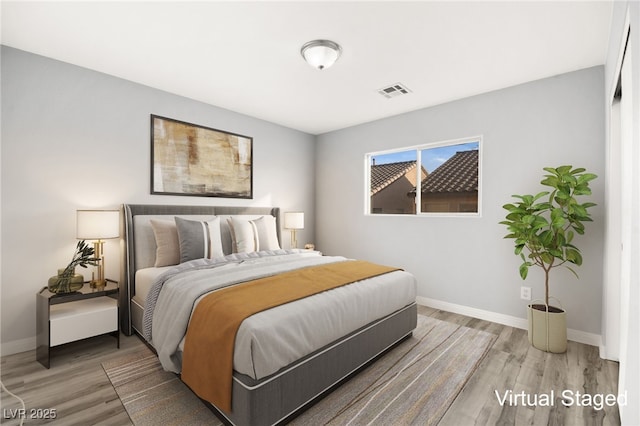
(99, 284)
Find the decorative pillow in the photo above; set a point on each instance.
(266, 232)
(253, 235)
(243, 235)
(167, 246)
(199, 239)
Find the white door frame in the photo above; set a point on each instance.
(611, 294)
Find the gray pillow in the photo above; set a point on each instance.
(199, 239)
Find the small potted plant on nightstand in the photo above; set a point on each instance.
(543, 227)
(67, 281)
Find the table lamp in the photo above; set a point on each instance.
(294, 221)
(98, 225)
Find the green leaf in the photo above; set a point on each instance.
(551, 181)
(582, 190)
(578, 227)
(587, 177)
(539, 223)
(546, 257)
(563, 170)
(564, 193)
(570, 236)
(546, 237)
(573, 256)
(524, 270)
(527, 200)
(570, 179)
(514, 216)
(557, 213)
(580, 210)
(571, 269)
(540, 195)
(557, 252)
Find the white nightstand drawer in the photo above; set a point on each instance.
(82, 318)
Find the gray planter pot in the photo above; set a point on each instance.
(547, 328)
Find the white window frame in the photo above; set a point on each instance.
(418, 198)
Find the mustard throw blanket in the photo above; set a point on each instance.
(207, 363)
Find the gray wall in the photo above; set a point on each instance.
(466, 261)
(73, 138)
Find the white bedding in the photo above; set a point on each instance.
(272, 339)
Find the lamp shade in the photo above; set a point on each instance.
(321, 54)
(294, 220)
(97, 224)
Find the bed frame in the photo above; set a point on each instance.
(286, 393)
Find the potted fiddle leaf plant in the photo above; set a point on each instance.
(544, 227)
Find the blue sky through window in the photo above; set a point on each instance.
(432, 158)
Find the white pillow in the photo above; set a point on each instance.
(243, 235)
(253, 235)
(267, 233)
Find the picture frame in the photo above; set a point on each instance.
(194, 160)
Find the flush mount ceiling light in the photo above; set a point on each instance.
(321, 54)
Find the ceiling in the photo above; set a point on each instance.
(245, 56)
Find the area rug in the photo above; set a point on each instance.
(152, 396)
(414, 383)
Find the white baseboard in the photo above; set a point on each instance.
(17, 346)
(574, 335)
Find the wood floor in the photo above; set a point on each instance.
(77, 388)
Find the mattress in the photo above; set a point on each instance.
(144, 280)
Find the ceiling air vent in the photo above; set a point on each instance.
(394, 90)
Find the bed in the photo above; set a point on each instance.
(284, 358)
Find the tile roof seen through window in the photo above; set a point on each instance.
(458, 174)
(383, 175)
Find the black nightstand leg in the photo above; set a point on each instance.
(43, 331)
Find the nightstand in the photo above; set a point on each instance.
(64, 318)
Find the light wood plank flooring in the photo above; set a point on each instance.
(77, 387)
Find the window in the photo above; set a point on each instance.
(437, 178)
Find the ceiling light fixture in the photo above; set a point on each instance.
(321, 54)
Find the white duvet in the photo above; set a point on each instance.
(272, 339)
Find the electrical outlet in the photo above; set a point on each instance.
(525, 293)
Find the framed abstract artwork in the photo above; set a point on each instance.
(188, 159)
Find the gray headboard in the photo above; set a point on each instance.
(138, 249)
